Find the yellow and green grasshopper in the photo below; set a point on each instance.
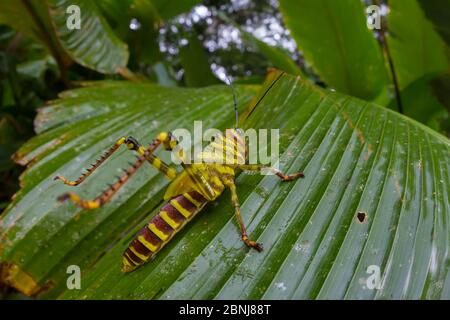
(190, 190)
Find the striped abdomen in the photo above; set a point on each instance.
(170, 219)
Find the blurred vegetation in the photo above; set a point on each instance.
(29, 76)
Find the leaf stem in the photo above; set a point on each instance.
(127, 74)
(387, 52)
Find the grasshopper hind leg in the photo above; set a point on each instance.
(144, 155)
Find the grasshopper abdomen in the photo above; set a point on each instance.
(155, 234)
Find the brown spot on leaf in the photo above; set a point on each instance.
(361, 216)
(369, 152)
(27, 157)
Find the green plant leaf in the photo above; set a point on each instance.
(168, 9)
(334, 39)
(422, 104)
(416, 48)
(419, 55)
(32, 19)
(165, 74)
(143, 38)
(193, 58)
(277, 56)
(356, 156)
(441, 87)
(15, 14)
(438, 11)
(94, 45)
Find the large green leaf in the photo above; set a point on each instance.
(356, 156)
(441, 87)
(94, 45)
(438, 11)
(31, 17)
(422, 104)
(193, 58)
(333, 37)
(18, 14)
(143, 37)
(418, 54)
(277, 56)
(416, 48)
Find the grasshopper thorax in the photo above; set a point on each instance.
(227, 148)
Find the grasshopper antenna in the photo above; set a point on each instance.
(234, 100)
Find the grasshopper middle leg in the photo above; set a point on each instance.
(237, 210)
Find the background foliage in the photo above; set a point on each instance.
(150, 65)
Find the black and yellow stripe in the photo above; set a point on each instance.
(228, 149)
(161, 228)
(164, 138)
(160, 165)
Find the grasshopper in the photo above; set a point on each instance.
(188, 193)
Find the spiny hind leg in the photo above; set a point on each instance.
(145, 155)
(106, 195)
(130, 142)
(237, 211)
(278, 173)
(134, 145)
